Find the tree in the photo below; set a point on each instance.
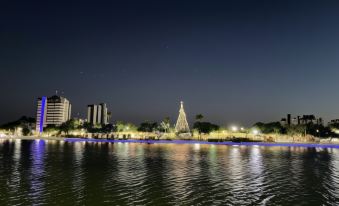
(107, 128)
(334, 126)
(26, 131)
(319, 130)
(87, 126)
(205, 127)
(121, 126)
(51, 129)
(129, 127)
(293, 130)
(148, 126)
(199, 117)
(197, 124)
(21, 122)
(66, 127)
(165, 124)
(271, 127)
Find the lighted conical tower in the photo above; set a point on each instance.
(182, 126)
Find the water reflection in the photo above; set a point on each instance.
(37, 171)
(14, 179)
(89, 173)
(77, 175)
(178, 174)
(256, 173)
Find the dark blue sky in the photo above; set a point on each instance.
(233, 61)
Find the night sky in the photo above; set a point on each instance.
(237, 61)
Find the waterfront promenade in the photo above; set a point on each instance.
(176, 141)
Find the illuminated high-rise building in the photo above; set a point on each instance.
(97, 114)
(53, 110)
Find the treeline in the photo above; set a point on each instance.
(301, 130)
(27, 125)
(120, 126)
(24, 123)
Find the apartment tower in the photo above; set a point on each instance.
(53, 110)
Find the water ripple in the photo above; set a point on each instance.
(90, 173)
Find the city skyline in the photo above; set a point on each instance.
(99, 114)
(235, 62)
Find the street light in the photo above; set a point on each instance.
(255, 132)
(234, 128)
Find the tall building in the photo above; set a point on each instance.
(288, 119)
(53, 110)
(182, 125)
(97, 114)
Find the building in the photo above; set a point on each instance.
(287, 121)
(53, 110)
(301, 120)
(97, 114)
(333, 122)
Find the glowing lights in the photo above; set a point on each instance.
(255, 131)
(234, 128)
(18, 131)
(197, 146)
(256, 144)
(42, 113)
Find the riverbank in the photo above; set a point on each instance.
(228, 143)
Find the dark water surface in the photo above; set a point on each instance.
(37, 172)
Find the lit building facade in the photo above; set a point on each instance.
(97, 114)
(53, 110)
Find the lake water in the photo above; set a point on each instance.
(37, 172)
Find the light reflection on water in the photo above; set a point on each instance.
(90, 173)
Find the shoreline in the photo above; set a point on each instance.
(226, 143)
